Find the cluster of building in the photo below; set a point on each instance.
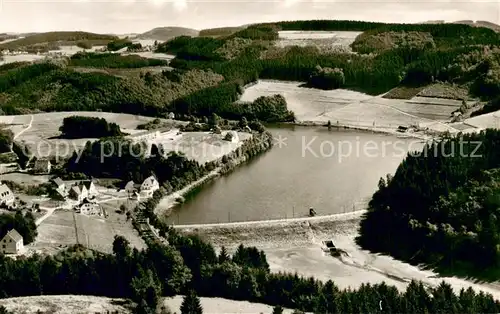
(143, 190)
(82, 194)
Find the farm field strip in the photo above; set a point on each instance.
(489, 120)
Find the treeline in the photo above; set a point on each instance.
(221, 100)
(367, 73)
(118, 44)
(24, 224)
(445, 34)
(113, 60)
(122, 159)
(37, 87)
(85, 127)
(192, 48)
(189, 264)
(51, 38)
(441, 207)
(6, 140)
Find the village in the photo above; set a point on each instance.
(90, 211)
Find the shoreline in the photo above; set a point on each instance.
(282, 222)
(237, 158)
(363, 129)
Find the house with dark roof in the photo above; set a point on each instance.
(78, 193)
(90, 187)
(12, 243)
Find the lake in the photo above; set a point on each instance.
(332, 171)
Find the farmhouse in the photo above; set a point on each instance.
(148, 187)
(42, 166)
(91, 209)
(90, 187)
(59, 184)
(78, 193)
(6, 195)
(12, 243)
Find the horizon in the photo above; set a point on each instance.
(129, 16)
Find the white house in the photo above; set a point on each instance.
(148, 187)
(6, 195)
(90, 209)
(90, 187)
(59, 185)
(78, 193)
(12, 243)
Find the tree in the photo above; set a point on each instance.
(223, 255)
(145, 286)
(123, 208)
(243, 122)
(121, 247)
(191, 304)
(278, 309)
(3, 310)
(6, 140)
(214, 120)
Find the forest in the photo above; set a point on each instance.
(441, 207)
(189, 264)
(113, 61)
(88, 127)
(458, 54)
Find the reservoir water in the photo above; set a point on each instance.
(332, 171)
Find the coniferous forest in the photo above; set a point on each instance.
(190, 265)
(388, 55)
(441, 207)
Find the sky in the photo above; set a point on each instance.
(137, 16)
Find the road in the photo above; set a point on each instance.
(357, 213)
(25, 129)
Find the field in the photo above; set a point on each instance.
(62, 304)
(40, 137)
(489, 120)
(65, 227)
(80, 304)
(202, 146)
(219, 305)
(65, 51)
(326, 41)
(20, 58)
(351, 108)
(151, 55)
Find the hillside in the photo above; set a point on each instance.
(167, 33)
(486, 24)
(57, 39)
(220, 31)
(47, 87)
